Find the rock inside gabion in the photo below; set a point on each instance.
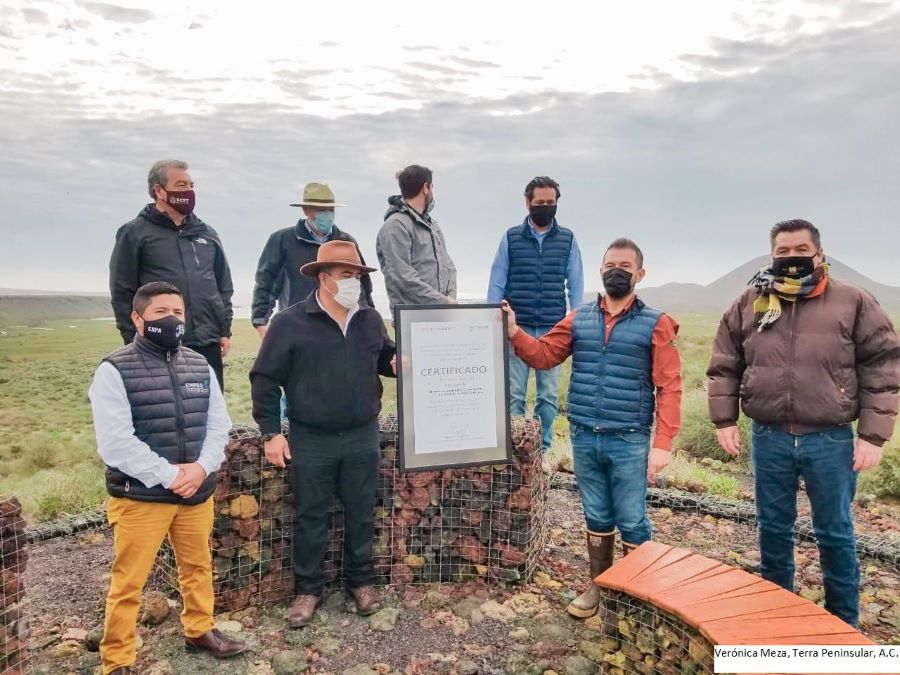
(448, 525)
(13, 557)
(638, 637)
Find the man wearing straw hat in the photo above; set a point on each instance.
(278, 275)
(327, 353)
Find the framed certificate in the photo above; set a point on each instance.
(452, 386)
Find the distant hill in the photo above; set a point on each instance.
(25, 308)
(718, 295)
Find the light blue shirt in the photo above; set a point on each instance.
(574, 270)
(318, 236)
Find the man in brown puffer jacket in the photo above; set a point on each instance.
(805, 355)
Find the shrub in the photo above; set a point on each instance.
(884, 481)
(698, 435)
(684, 473)
(80, 488)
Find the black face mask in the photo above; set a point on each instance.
(542, 215)
(793, 267)
(617, 282)
(165, 333)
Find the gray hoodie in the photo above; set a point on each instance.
(413, 257)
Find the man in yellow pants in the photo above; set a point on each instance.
(161, 428)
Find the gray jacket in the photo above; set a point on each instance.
(413, 256)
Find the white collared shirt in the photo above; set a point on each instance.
(121, 449)
(350, 314)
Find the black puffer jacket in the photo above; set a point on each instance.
(152, 248)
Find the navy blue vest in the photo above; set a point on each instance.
(536, 282)
(169, 397)
(612, 386)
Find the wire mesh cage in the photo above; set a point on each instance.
(642, 638)
(448, 525)
(14, 632)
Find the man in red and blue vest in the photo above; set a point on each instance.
(625, 365)
(537, 266)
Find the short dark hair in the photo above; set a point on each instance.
(412, 178)
(540, 181)
(795, 225)
(145, 294)
(624, 242)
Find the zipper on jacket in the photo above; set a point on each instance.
(790, 401)
(187, 286)
(179, 409)
(196, 258)
(540, 293)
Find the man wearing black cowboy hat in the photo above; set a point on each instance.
(327, 353)
(278, 275)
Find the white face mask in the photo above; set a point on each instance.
(347, 295)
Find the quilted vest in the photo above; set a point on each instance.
(536, 282)
(169, 397)
(612, 387)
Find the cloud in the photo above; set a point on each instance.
(695, 171)
(434, 68)
(35, 16)
(473, 63)
(116, 13)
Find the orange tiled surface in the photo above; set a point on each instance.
(726, 605)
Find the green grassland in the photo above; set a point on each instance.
(47, 448)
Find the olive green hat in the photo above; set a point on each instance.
(317, 194)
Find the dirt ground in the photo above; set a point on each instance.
(441, 628)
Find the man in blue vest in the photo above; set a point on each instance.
(625, 364)
(537, 265)
(161, 427)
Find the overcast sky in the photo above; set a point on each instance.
(689, 126)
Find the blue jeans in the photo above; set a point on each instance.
(825, 461)
(611, 470)
(547, 384)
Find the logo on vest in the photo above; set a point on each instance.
(198, 387)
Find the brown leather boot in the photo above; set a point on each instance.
(600, 551)
(301, 612)
(365, 600)
(216, 643)
(627, 548)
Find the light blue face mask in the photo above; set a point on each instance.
(324, 221)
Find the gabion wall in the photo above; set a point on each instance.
(13, 557)
(641, 638)
(450, 525)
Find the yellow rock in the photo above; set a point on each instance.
(244, 506)
(250, 549)
(68, 649)
(544, 580)
(481, 570)
(616, 659)
(92, 539)
(414, 561)
(594, 623)
(710, 519)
